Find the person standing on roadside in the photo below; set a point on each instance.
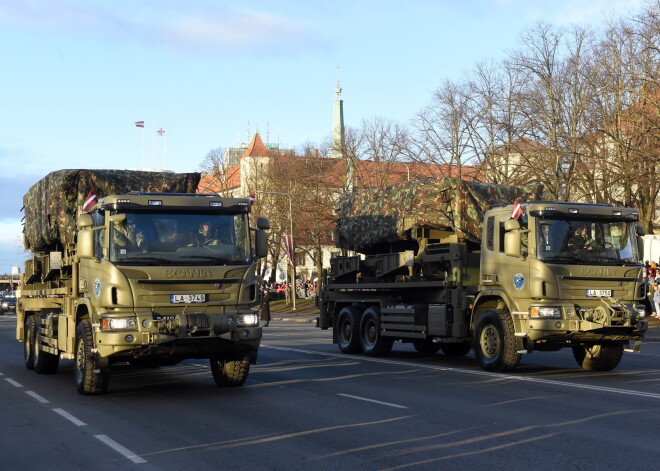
(656, 297)
(265, 307)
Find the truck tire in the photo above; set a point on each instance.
(426, 346)
(371, 342)
(599, 357)
(28, 341)
(348, 330)
(495, 344)
(88, 381)
(454, 349)
(44, 362)
(230, 373)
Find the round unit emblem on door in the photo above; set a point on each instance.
(518, 281)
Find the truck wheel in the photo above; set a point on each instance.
(456, 349)
(28, 342)
(371, 342)
(230, 373)
(426, 346)
(88, 381)
(348, 328)
(599, 357)
(44, 362)
(495, 344)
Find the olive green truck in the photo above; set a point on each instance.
(453, 266)
(135, 268)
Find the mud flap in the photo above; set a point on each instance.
(636, 348)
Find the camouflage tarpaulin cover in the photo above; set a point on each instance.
(373, 217)
(52, 205)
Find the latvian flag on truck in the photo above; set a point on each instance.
(90, 201)
(517, 209)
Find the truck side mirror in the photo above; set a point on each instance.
(263, 223)
(85, 236)
(86, 244)
(640, 242)
(512, 243)
(261, 243)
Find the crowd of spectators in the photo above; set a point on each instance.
(652, 275)
(305, 288)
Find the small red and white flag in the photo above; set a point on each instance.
(139, 124)
(517, 209)
(90, 201)
(161, 132)
(252, 198)
(288, 247)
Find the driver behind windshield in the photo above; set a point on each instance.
(580, 240)
(207, 234)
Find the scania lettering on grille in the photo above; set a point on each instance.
(588, 271)
(188, 273)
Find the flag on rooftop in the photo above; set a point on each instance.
(161, 131)
(139, 124)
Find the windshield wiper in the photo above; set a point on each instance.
(139, 259)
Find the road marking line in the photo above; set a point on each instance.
(69, 417)
(488, 374)
(120, 449)
(359, 398)
(14, 383)
(37, 397)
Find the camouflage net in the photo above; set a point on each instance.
(52, 205)
(372, 218)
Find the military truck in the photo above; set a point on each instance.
(135, 268)
(452, 265)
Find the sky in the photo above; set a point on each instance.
(75, 75)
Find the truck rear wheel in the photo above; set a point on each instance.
(495, 344)
(371, 340)
(599, 357)
(230, 373)
(44, 362)
(454, 349)
(88, 380)
(28, 341)
(348, 330)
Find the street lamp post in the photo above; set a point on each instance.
(293, 258)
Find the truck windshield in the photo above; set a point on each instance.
(586, 242)
(180, 239)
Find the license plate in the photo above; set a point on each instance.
(187, 298)
(599, 293)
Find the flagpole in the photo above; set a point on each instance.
(144, 150)
(153, 145)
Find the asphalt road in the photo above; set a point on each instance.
(307, 406)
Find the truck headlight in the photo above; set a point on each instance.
(5, 305)
(118, 323)
(248, 319)
(553, 312)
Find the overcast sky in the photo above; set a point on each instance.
(77, 75)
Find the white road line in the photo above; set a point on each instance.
(500, 376)
(37, 397)
(359, 398)
(14, 383)
(120, 449)
(69, 417)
